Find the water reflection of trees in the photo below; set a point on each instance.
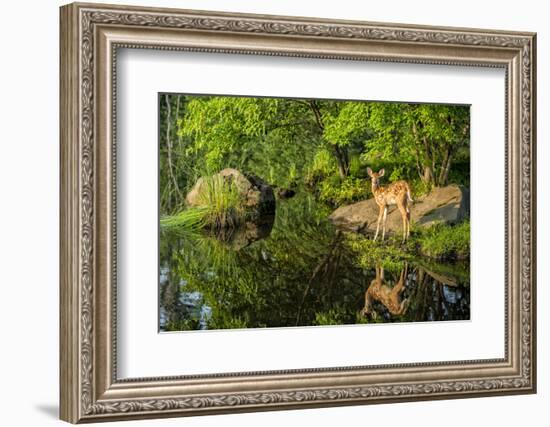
(300, 274)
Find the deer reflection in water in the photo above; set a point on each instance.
(415, 293)
(389, 296)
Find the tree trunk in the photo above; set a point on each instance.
(439, 181)
(341, 153)
(445, 170)
(428, 176)
(180, 142)
(429, 166)
(417, 158)
(169, 146)
(425, 169)
(342, 160)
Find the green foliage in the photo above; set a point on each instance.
(336, 192)
(347, 124)
(460, 172)
(446, 242)
(220, 124)
(426, 138)
(255, 135)
(370, 253)
(322, 164)
(233, 321)
(335, 316)
(361, 320)
(441, 242)
(419, 187)
(187, 324)
(321, 167)
(356, 167)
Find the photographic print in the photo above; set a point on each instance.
(279, 212)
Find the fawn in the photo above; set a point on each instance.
(397, 193)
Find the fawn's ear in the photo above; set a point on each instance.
(369, 171)
(381, 172)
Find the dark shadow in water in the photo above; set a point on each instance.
(297, 270)
(249, 232)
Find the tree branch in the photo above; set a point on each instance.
(317, 112)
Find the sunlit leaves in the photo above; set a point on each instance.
(418, 135)
(348, 123)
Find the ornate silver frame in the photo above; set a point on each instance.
(90, 36)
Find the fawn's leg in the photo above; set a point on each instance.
(403, 212)
(378, 223)
(368, 302)
(408, 220)
(400, 285)
(384, 222)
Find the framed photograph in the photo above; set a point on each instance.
(267, 212)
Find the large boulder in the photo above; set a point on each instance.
(193, 197)
(445, 205)
(256, 195)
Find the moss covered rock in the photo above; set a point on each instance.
(255, 195)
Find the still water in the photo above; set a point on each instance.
(296, 269)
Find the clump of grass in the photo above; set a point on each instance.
(446, 242)
(223, 202)
(189, 219)
(220, 205)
